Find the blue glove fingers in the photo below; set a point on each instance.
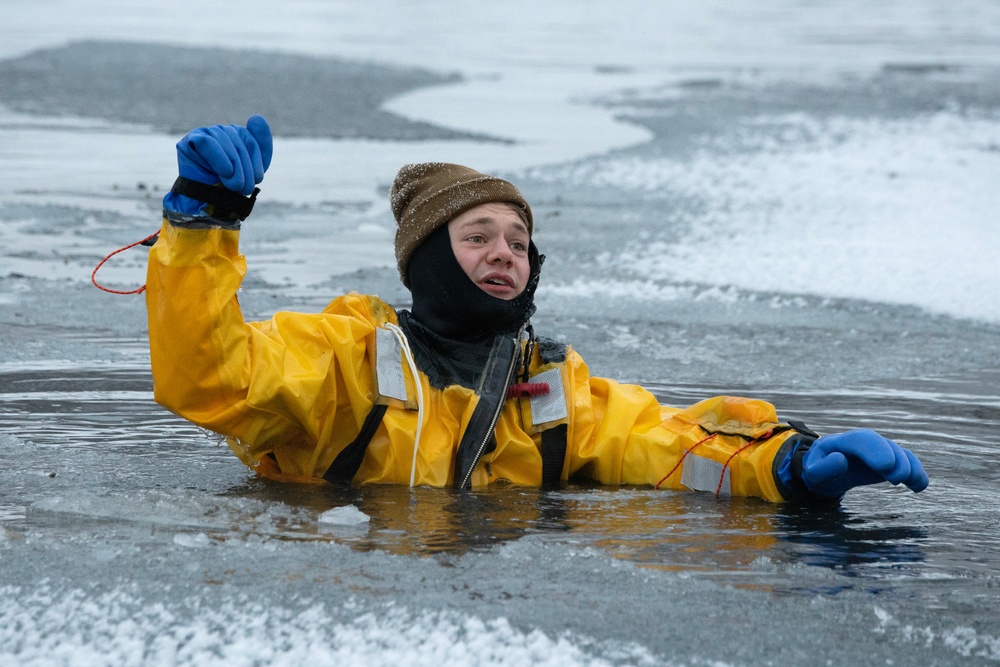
(234, 141)
(842, 461)
(261, 133)
(900, 471)
(216, 154)
(863, 444)
(205, 150)
(247, 155)
(235, 156)
(918, 480)
(191, 164)
(250, 158)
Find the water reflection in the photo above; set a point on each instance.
(421, 521)
(666, 530)
(832, 537)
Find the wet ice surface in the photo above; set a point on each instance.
(818, 231)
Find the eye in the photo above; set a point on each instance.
(476, 238)
(519, 246)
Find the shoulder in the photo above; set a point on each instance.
(366, 307)
(351, 317)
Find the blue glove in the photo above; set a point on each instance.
(234, 156)
(839, 462)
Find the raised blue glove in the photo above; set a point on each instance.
(233, 156)
(839, 462)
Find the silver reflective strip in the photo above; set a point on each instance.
(701, 474)
(551, 406)
(389, 365)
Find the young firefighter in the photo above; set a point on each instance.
(458, 391)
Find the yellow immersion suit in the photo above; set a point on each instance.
(292, 392)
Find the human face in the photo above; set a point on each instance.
(490, 243)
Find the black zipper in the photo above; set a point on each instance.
(492, 394)
(493, 422)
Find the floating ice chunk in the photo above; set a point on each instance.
(197, 541)
(348, 515)
(884, 620)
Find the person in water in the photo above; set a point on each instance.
(458, 391)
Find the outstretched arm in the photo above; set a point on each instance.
(728, 445)
(620, 434)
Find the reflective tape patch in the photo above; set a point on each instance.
(701, 474)
(389, 365)
(549, 407)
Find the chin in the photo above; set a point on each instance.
(506, 295)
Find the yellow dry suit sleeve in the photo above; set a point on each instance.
(277, 386)
(620, 434)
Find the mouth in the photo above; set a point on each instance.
(498, 279)
(497, 283)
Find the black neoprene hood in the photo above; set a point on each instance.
(449, 303)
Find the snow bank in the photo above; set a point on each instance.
(46, 627)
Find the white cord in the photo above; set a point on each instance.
(401, 337)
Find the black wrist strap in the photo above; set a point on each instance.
(225, 204)
(797, 446)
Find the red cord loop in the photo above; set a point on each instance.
(93, 275)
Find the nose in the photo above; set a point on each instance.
(499, 252)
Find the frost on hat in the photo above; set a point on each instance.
(428, 195)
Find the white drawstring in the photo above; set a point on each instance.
(401, 337)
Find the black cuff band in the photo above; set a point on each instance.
(223, 204)
(797, 446)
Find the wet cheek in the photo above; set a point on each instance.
(524, 272)
(468, 261)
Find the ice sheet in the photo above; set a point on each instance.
(896, 212)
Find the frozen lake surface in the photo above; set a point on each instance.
(788, 201)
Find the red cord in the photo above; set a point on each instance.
(93, 275)
(686, 452)
(722, 477)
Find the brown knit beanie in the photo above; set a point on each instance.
(426, 196)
